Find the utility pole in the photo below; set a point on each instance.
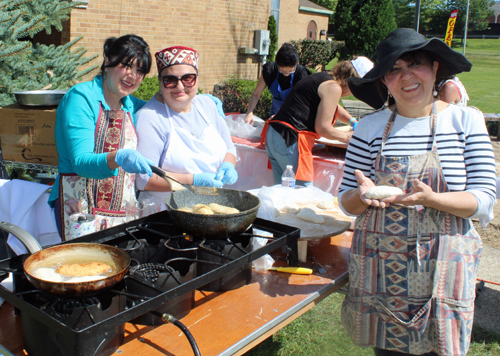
(466, 24)
(416, 21)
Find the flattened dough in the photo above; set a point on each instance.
(204, 211)
(187, 209)
(291, 208)
(326, 204)
(222, 209)
(200, 206)
(383, 191)
(310, 215)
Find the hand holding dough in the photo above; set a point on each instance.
(291, 208)
(310, 215)
(382, 191)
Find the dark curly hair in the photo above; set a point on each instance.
(287, 55)
(124, 50)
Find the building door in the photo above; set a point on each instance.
(312, 31)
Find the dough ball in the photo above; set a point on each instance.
(187, 209)
(199, 206)
(291, 208)
(326, 204)
(382, 191)
(205, 211)
(222, 209)
(308, 214)
(276, 212)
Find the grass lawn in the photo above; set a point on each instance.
(482, 81)
(319, 331)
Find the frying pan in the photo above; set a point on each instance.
(217, 226)
(70, 253)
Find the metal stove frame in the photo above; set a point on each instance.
(284, 236)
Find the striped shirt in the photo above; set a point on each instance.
(463, 145)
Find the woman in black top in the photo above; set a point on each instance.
(308, 113)
(279, 77)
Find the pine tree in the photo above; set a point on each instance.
(362, 25)
(27, 66)
(273, 38)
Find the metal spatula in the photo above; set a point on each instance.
(175, 185)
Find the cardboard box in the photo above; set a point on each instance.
(27, 134)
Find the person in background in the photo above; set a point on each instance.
(309, 112)
(451, 90)
(414, 256)
(182, 132)
(280, 77)
(96, 140)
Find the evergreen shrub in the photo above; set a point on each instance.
(147, 89)
(273, 38)
(313, 53)
(234, 92)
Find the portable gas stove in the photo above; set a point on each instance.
(167, 267)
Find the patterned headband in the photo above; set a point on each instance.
(176, 55)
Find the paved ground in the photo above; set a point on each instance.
(487, 313)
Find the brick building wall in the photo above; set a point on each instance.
(215, 28)
(293, 24)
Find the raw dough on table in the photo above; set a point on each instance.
(383, 191)
(310, 215)
(291, 208)
(326, 204)
(276, 212)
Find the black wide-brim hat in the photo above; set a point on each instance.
(397, 43)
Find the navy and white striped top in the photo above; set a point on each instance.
(463, 145)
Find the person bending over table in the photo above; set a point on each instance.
(414, 257)
(96, 140)
(182, 132)
(280, 77)
(309, 113)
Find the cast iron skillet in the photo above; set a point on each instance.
(217, 226)
(70, 253)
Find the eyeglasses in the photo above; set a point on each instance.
(171, 81)
(285, 72)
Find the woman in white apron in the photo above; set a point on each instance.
(96, 139)
(181, 132)
(414, 257)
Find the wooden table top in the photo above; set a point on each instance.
(232, 322)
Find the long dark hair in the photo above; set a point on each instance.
(124, 50)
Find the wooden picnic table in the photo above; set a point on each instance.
(232, 322)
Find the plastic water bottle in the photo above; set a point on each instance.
(288, 177)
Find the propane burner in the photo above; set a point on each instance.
(150, 271)
(64, 307)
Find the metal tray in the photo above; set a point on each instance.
(39, 97)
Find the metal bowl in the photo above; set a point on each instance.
(39, 97)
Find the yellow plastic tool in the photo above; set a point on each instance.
(295, 270)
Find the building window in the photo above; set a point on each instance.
(275, 11)
(312, 31)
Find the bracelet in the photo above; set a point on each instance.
(352, 120)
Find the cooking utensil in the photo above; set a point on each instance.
(294, 270)
(175, 185)
(216, 226)
(71, 254)
(39, 97)
(318, 266)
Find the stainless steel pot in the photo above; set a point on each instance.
(39, 97)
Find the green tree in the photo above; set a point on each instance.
(313, 53)
(28, 66)
(273, 38)
(362, 25)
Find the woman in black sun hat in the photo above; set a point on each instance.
(414, 256)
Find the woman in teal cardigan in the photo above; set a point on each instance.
(96, 139)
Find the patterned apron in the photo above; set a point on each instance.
(412, 270)
(104, 198)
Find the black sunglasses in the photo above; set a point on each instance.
(188, 80)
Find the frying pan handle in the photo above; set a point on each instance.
(22, 235)
(158, 171)
(172, 182)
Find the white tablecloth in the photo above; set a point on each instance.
(253, 171)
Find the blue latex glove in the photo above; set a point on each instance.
(207, 180)
(227, 173)
(133, 162)
(354, 124)
(218, 103)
